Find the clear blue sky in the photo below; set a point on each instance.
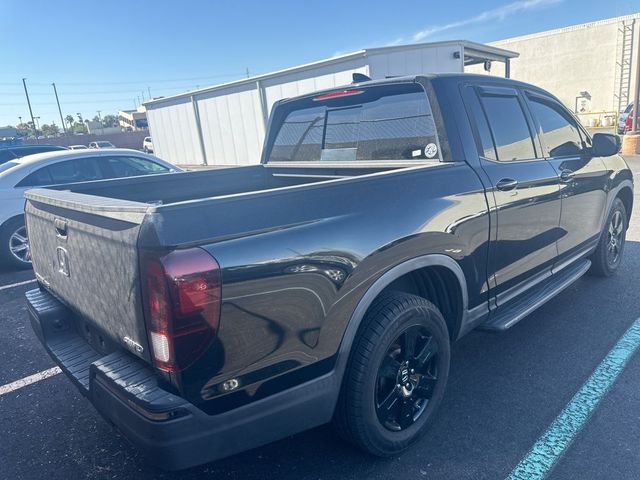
(103, 54)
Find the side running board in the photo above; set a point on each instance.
(510, 314)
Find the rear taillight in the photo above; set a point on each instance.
(181, 293)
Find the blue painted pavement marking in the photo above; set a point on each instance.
(554, 442)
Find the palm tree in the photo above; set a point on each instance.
(69, 119)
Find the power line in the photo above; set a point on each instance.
(83, 102)
(97, 92)
(139, 82)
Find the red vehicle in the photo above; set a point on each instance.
(628, 122)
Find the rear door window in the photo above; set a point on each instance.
(78, 170)
(508, 125)
(389, 122)
(121, 166)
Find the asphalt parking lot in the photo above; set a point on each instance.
(505, 390)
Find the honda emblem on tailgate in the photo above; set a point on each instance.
(63, 261)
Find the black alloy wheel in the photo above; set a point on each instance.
(407, 378)
(396, 374)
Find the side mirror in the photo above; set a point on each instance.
(605, 144)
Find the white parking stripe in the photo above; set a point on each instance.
(7, 287)
(23, 382)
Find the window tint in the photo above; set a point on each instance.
(484, 141)
(509, 127)
(560, 134)
(391, 122)
(79, 170)
(131, 166)
(36, 179)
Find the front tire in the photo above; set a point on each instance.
(396, 375)
(608, 255)
(14, 244)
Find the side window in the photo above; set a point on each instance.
(559, 133)
(484, 142)
(132, 166)
(78, 170)
(36, 179)
(509, 127)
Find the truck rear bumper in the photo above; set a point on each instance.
(174, 433)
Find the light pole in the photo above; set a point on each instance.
(24, 83)
(64, 129)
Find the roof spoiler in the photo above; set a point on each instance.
(360, 77)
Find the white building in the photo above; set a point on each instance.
(590, 67)
(133, 120)
(225, 124)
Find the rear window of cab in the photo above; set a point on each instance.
(380, 123)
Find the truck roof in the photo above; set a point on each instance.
(452, 77)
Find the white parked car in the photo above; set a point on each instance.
(147, 145)
(78, 147)
(55, 168)
(101, 144)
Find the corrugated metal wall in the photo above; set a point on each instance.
(173, 128)
(232, 125)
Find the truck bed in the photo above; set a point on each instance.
(180, 187)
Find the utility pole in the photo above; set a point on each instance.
(37, 125)
(100, 121)
(33, 122)
(64, 129)
(149, 91)
(247, 72)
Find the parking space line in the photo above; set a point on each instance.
(554, 442)
(7, 287)
(23, 382)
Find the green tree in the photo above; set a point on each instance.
(70, 121)
(79, 128)
(110, 121)
(50, 130)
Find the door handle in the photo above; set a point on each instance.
(506, 184)
(61, 228)
(566, 176)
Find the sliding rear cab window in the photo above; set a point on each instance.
(381, 123)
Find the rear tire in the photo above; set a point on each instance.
(14, 244)
(608, 254)
(396, 375)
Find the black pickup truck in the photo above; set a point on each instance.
(205, 313)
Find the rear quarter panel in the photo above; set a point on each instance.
(295, 263)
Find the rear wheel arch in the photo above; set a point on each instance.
(404, 278)
(626, 195)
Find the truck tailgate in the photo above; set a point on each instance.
(84, 251)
